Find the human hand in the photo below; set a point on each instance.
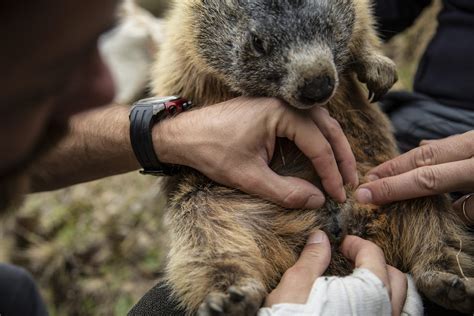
(441, 166)
(299, 284)
(233, 142)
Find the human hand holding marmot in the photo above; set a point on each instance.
(233, 142)
(374, 288)
(440, 166)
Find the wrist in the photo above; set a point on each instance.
(170, 139)
(163, 141)
(145, 117)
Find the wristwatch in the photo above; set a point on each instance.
(144, 115)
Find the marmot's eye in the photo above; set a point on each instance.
(258, 45)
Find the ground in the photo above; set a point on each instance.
(96, 248)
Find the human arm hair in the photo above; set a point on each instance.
(231, 143)
(97, 145)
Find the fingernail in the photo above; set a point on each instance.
(363, 196)
(315, 201)
(372, 177)
(316, 237)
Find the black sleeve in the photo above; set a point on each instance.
(393, 16)
(157, 302)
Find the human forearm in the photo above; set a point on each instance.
(96, 146)
(232, 143)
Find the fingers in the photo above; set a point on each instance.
(259, 179)
(450, 149)
(298, 281)
(339, 143)
(309, 139)
(465, 208)
(424, 181)
(399, 286)
(367, 255)
(426, 142)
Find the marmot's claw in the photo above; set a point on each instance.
(371, 96)
(379, 73)
(375, 97)
(237, 300)
(236, 294)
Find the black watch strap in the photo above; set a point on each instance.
(143, 116)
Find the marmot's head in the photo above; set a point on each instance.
(289, 49)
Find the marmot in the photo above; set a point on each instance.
(229, 249)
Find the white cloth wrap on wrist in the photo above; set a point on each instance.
(361, 293)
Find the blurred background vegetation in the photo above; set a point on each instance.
(96, 248)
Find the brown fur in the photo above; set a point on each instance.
(229, 249)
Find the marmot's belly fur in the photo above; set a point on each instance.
(229, 249)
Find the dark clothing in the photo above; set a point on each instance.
(19, 295)
(446, 71)
(416, 117)
(157, 302)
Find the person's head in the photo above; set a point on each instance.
(50, 69)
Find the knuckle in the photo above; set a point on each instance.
(426, 156)
(316, 254)
(370, 245)
(333, 128)
(293, 198)
(426, 178)
(295, 272)
(325, 154)
(391, 168)
(386, 189)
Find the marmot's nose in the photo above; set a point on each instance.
(317, 90)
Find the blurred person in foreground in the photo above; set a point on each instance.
(54, 133)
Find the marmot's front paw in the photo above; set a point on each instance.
(379, 73)
(449, 290)
(237, 300)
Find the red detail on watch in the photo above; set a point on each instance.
(177, 106)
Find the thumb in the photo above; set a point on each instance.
(297, 282)
(315, 256)
(290, 192)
